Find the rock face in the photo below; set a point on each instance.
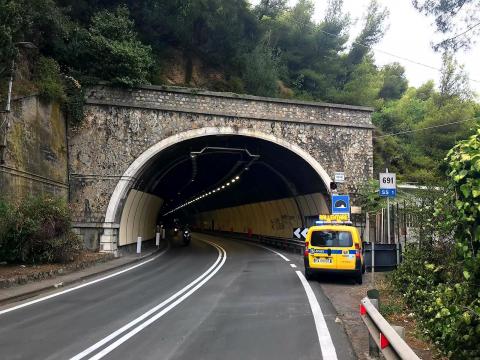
(122, 124)
(36, 151)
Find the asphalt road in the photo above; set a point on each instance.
(233, 300)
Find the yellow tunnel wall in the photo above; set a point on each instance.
(269, 218)
(139, 217)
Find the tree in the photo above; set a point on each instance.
(395, 82)
(270, 8)
(261, 71)
(373, 30)
(457, 19)
(110, 50)
(454, 81)
(363, 87)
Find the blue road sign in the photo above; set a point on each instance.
(388, 192)
(340, 204)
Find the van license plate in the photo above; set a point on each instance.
(322, 260)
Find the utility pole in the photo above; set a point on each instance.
(5, 124)
(388, 215)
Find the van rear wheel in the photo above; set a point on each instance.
(308, 274)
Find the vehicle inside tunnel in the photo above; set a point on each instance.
(222, 182)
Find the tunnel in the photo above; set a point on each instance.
(222, 182)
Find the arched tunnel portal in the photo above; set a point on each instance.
(218, 179)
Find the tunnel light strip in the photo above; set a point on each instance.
(204, 195)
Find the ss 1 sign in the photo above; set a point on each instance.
(388, 184)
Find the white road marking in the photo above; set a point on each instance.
(324, 338)
(28, 303)
(281, 255)
(215, 267)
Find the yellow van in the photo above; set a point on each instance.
(334, 248)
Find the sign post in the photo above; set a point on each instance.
(388, 189)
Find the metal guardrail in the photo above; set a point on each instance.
(282, 243)
(385, 336)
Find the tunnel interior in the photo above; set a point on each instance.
(224, 182)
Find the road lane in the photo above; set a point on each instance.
(61, 327)
(255, 307)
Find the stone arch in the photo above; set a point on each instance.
(117, 199)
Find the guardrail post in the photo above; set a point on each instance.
(373, 350)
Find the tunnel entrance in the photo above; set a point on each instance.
(228, 181)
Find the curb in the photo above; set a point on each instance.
(30, 294)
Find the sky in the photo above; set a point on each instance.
(409, 36)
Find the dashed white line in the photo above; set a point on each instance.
(79, 286)
(324, 338)
(293, 265)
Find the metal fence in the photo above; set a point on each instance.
(387, 256)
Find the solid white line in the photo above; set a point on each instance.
(293, 265)
(281, 255)
(149, 312)
(324, 338)
(142, 326)
(79, 286)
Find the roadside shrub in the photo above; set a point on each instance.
(440, 280)
(37, 230)
(438, 297)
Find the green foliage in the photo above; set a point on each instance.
(440, 279)
(261, 74)
(464, 170)
(453, 17)
(394, 82)
(415, 153)
(37, 230)
(364, 86)
(368, 197)
(110, 49)
(433, 288)
(48, 79)
(372, 32)
(74, 102)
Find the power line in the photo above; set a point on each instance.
(425, 128)
(394, 55)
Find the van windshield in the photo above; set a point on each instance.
(331, 238)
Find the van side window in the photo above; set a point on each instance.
(331, 238)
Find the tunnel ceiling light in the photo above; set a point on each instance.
(200, 197)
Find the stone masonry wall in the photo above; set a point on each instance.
(121, 124)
